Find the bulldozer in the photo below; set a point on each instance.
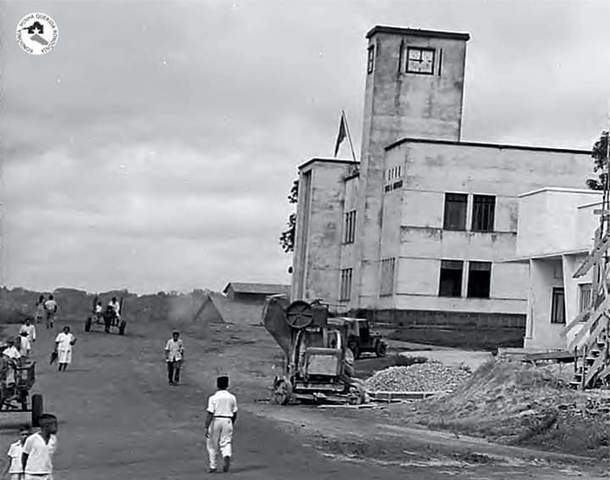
(318, 365)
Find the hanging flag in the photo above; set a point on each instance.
(342, 133)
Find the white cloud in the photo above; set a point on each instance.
(163, 157)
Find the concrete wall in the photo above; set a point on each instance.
(432, 169)
(586, 224)
(348, 251)
(319, 230)
(541, 333)
(399, 104)
(544, 275)
(550, 220)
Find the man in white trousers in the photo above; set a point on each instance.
(222, 414)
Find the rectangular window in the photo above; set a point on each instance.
(349, 227)
(370, 64)
(479, 279)
(420, 60)
(585, 296)
(558, 307)
(483, 208)
(387, 276)
(346, 284)
(455, 211)
(450, 284)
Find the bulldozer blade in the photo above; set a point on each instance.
(274, 321)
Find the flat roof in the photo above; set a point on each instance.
(589, 205)
(560, 189)
(485, 145)
(263, 288)
(328, 160)
(548, 255)
(416, 32)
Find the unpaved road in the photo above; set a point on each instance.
(120, 419)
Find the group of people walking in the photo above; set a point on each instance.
(221, 412)
(19, 349)
(31, 456)
(46, 309)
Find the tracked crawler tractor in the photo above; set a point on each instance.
(318, 365)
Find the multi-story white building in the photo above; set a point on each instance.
(415, 233)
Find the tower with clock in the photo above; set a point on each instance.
(414, 89)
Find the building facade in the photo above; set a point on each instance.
(415, 233)
(555, 235)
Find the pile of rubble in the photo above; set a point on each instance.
(421, 377)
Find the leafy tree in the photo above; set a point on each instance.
(287, 236)
(600, 158)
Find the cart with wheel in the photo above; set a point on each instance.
(108, 318)
(17, 377)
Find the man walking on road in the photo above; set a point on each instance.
(29, 329)
(50, 307)
(63, 346)
(38, 450)
(174, 355)
(25, 346)
(40, 310)
(222, 414)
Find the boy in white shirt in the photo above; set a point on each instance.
(63, 346)
(222, 414)
(38, 450)
(15, 468)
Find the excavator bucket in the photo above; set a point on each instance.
(274, 320)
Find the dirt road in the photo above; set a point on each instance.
(120, 419)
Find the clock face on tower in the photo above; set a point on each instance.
(420, 60)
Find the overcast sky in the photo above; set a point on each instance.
(154, 147)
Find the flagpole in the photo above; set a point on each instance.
(349, 136)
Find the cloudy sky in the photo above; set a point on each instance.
(153, 149)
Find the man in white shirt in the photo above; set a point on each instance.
(29, 328)
(15, 467)
(63, 346)
(11, 351)
(50, 307)
(221, 415)
(116, 306)
(38, 450)
(98, 310)
(25, 346)
(174, 355)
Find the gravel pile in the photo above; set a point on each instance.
(420, 377)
